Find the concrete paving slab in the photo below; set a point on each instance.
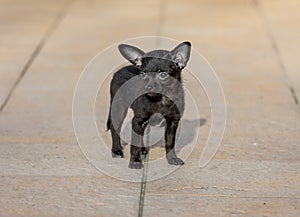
(282, 20)
(23, 25)
(232, 178)
(44, 160)
(67, 196)
(217, 205)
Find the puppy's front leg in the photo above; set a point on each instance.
(138, 128)
(170, 135)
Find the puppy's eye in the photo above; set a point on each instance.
(163, 75)
(143, 75)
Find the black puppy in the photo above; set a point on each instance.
(151, 85)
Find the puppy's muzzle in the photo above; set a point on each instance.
(153, 87)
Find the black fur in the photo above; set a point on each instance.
(157, 75)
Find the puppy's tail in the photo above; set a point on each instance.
(108, 123)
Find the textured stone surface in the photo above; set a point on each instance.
(24, 24)
(256, 170)
(282, 20)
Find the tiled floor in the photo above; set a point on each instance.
(253, 47)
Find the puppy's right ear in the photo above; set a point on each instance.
(131, 53)
(181, 54)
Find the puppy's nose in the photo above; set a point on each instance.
(149, 87)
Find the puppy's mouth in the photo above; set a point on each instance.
(154, 95)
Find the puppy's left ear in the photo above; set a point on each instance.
(131, 53)
(181, 54)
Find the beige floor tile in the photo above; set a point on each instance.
(23, 25)
(282, 20)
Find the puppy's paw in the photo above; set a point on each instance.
(117, 154)
(135, 165)
(175, 161)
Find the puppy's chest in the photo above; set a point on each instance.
(166, 102)
(165, 106)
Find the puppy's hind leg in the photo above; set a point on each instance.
(170, 135)
(115, 121)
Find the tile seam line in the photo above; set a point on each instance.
(222, 196)
(276, 50)
(142, 195)
(161, 20)
(52, 27)
(143, 187)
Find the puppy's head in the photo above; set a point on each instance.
(158, 68)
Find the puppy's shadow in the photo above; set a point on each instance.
(187, 132)
(154, 136)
